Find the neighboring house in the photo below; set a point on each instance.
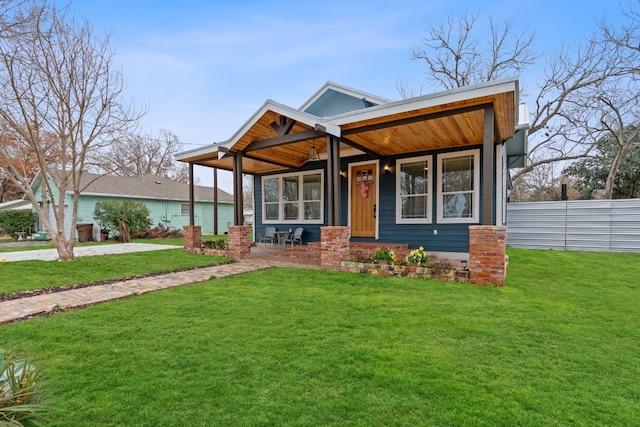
(418, 171)
(15, 204)
(167, 200)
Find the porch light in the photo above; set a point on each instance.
(387, 169)
(313, 154)
(343, 173)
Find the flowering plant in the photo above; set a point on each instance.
(387, 255)
(419, 256)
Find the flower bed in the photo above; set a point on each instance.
(411, 271)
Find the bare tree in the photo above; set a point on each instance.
(612, 107)
(455, 56)
(61, 100)
(144, 155)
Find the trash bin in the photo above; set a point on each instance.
(85, 232)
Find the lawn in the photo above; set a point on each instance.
(30, 275)
(558, 345)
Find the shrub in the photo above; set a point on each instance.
(160, 231)
(214, 244)
(386, 255)
(122, 217)
(21, 393)
(15, 221)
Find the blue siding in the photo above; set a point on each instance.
(449, 237)
(333, 102)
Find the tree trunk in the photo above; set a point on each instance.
(64, 248)
(124, 232)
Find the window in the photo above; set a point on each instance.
(458, 187)
(413, 182)
(292, 198)
(185, 209)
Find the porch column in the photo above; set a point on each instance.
(333, 181)
(487, 254)
(488, 165)
(191, 196)
(215, 201)
(238, 217)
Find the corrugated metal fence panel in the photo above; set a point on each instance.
(536, 225)
(588, 225)
(625, 226)
(591, 225)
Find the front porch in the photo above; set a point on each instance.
(485, 263)
(360, 173)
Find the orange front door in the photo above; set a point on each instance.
(363, 200)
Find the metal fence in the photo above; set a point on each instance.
(586, 225)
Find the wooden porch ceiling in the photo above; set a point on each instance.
(270, 143)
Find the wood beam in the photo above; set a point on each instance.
(284, 127)
(271, 162)
(488, 165)
(355, 145)
(283, 140)
(420, 118)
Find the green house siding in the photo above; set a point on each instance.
(165, 212)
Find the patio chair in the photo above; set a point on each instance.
(296, 237)
(269, 235)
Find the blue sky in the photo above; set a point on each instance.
(203, 67)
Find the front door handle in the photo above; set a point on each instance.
(374, 211)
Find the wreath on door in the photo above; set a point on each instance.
(364, 189)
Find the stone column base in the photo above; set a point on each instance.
(239, 241)
(192, 237)
(334, 246)
(487, 254)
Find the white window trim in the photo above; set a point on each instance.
(476, 187)
(188, 208)
(300, 175)
(428, 219)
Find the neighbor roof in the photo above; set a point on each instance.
(148, 187)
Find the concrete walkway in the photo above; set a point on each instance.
(81, 251)
(23, 308)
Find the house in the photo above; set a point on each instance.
(427, 171)
(15, 205)
(167, 200)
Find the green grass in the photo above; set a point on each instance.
(558, 345)
(30, 275)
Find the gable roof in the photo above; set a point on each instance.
(147, 187)
(332, 99)
(443, 120)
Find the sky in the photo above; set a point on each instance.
(202, 68)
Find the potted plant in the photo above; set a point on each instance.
(385, 256)
(418, 256)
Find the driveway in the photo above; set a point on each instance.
(52, 254)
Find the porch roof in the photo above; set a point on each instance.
(278, 137)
